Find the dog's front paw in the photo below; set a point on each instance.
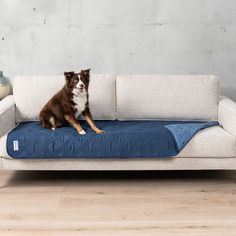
(99, 131)
(82, 132)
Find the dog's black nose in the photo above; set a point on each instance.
(81, 86)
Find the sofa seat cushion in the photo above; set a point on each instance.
(210, 142)
(3, 147)
(213, 142)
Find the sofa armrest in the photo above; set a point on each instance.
(227, 115)
(7, 114)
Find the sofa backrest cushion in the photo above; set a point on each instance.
(173, 97)
(31, 93)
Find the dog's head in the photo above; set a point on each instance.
(78, 83)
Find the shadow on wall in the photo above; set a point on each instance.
(229, 92)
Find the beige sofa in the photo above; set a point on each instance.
(182, 97)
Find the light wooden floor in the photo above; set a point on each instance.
(118, 203)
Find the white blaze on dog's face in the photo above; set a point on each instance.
(79, 86)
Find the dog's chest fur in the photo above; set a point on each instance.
(80, 104)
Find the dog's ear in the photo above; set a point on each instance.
(69, 75)
(85, 72)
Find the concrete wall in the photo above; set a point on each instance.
(120, 36)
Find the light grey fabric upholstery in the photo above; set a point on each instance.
(32, 93)
(179, 97)
(7, 114)
(227, 115)
(179, 163)
(212, 148)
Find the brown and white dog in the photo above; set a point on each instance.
(71, 101)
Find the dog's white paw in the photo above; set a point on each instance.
(82, 132)
(53, 128)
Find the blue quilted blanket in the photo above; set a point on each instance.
(123, 139)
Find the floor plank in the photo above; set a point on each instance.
(117, 203)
